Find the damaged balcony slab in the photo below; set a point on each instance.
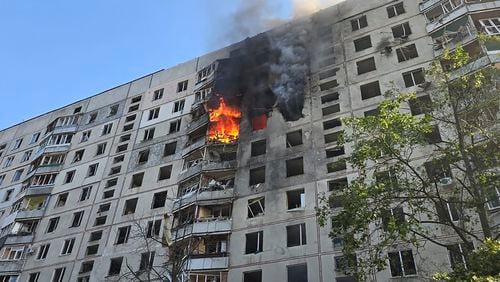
(206, 166)
(208, 263)
(194, 125)
(220, 196)
(203, 226)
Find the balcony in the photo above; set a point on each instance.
(50, 149)
(10, 266)
(208, 263)
(203, 195)
(64, 124)
(201, 121)
(29, 214)
(205, 165)
(19, 239)
(196, 145)
(475, 65)
(203, 226)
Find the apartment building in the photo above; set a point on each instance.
(94, 191)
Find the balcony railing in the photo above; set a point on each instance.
(208, 263)
(214, 225)
(203, 195)
(193, 125)
(28, 214)
(206, 165)
(10, 266)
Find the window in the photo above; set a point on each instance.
(115, 266)
(406, 53)
(101, 148)
(58, 275)
(43, 251)
(169, 148)
(158, 94)
(153, 114)
(124, 138)
(53, 222)
(395, 10)
(294, 167)
(85, 136)
(128, 127)
(457, 255)
(257, 175)
(69, 176)
(328, 73)
(297, 273)
(17, 143)
(159, 200)
(258, 148)
(165, 172)
(147, 260)
(68, 246)
(92, 118)
(148, 134)
(2, 148)
(104, 208)
(337, 184)
(401, 30)
(111, 182)
(85, 194)
(26, 156)
(296, 235)
(17, 175)
(434, 136)
(133, 108)
(137, 180)
(118, 159)
(420, 105)
(254, 242)
(175, 126)
(129, 207)
(122, 148)
(95, 236)
(252, 276)
(77, 219)
(92, 250)
(328, 85)
(130, 118)
(35, 137)
(92, 170)
(178, 106)
(362, 43)
(8, 194)
(294, 138)
(101, 220)
(154, 228)
(448, 211)
(394, 216)
(34, 277)
(359, 23)
(414, 77)
(330, 110)
(366, 65)
(143, 156)
(256, 207)
(123, 233)
(136, 99)
(108, 194)
(336, 166)
(494, 198)
(491, 26)
(329, 124)
(61, 200)
(106, 129)
(296, 199)
(370, 90)
(113, 110)
(86, 267)
(402, 263)
(115, 170)
(182, 86)
(345, 264)
(438, 169)
(329, 98)
(78, 156)
(8, 161)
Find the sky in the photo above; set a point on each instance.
(55, 52)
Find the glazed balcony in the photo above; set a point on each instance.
(204, 195)
(198, 123)
(11, 266)
(203, 226)
(64, 124)
(208, 263)
(30, 214)
(19, 239)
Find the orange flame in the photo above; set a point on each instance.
(224, 123)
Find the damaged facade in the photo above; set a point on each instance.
(226, 154)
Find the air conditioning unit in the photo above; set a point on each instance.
(445, 181)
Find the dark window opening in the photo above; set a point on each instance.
(115, 266)
(95, 236)
(329, 124)
(395, 10)
(370, 90)
(165, 172)
(420, 105)
(294, 138)
(108, 194)
(147, 260)
(414, 77)
(294, 167)
(402, 263)
(101, 220)
(362, 43)
(395, 215)
(258, 148)
(257, 175)
(169, 148)
(434, 136)
(329, 98)
(330, 110)
(137, 180)
(335, 152)
(406, 53)
(123, 233)
(328, 85)
(366, 65)
(402, 30)
(256, 207)
(92, 250)
(296, 199)
(143, 156)
(336, 166)
(328, 73)
(333, 137)
(359, 23)
(252, 276)
(254, 242)
(296, 235)
(337, 184)
(130, 206)
(159, 200)
(371, 113)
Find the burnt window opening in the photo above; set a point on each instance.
(254, 242)
(335, 152)
(328, 73)
(329, 124)
(414, 77)
(366, 65)
(252, 276)
(115, 266)
(154, 228)
(434, 136)
(371, 113)
(256, 207)
(336, 166)
(165, 172)
(257, 175)
(395, 215)
(294, 167)
(328, 85)
(123, 234)
(136, 99)
(129, 206)
(294, 138)
(258, 148)
(182, 86)
(296, 235)
(329, 98)
(395, 10)
(101, 220)
(333, 137)
(362, 43)
(108, 194)
(407, 53)
(92, 250)
(401, 30)
(337, 185)
(143, 156)
(420, 105)
(95, 236)
(169, 148)
(330, 110)
(359, 23)
(370, 90)
(296, 199)
(137, 180)
(159, 200)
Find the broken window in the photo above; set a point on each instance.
(169, 148)
(175, 126)
(402, 263)
(406, 53)
(115, 266)
(457, 255)
(137, 180)
(359, 23)
(294, 167)
(92, 250)
(254, 242)
(68, 246)
(69, 176)
(258, 148)
(401, 30)
(330, 110)
(420, 105)
(159, 200)
(154, 113)
(337, 184)
(101, 220)
(296, 235)
(123, 233)
(58, 275)
(395, 215)
(328, 85)
(438, 170)
(336, 166)
(414, 77)
(434, 136)
(335, 152)
(92, 118)
(395, 10)
(133, 108)
(296, 199)
(252, 276)
(182, 86)
(113, 110)
(78, 156)
(329, 124)
(77, 219)
(108, 194)
(362, 43)
(130, 118)
(85, 136)
(366, 65)
(92, 170)
(130, 205)
(106, 129)
(118, 159)
(85, 194)
(257, 175)
(154, 228)
(370, 90)
(95, 236)
(147, 260)
(294, 138)
(86, 266)
(43, 251)
(111, 182)
(157, 94)
(148, 134)
(121, 148)
(53, 222)
(61, 200)
(165, 172)
(328, 73)
(256, 207)
(136, 99)
(178, 106)
(333, 137)
(101, 148)
(124, 138)
(329, 98)
(143, 156)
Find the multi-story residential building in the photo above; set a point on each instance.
(83, 188)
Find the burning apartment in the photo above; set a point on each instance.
(219, 162)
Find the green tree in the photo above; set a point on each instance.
(424, 166)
